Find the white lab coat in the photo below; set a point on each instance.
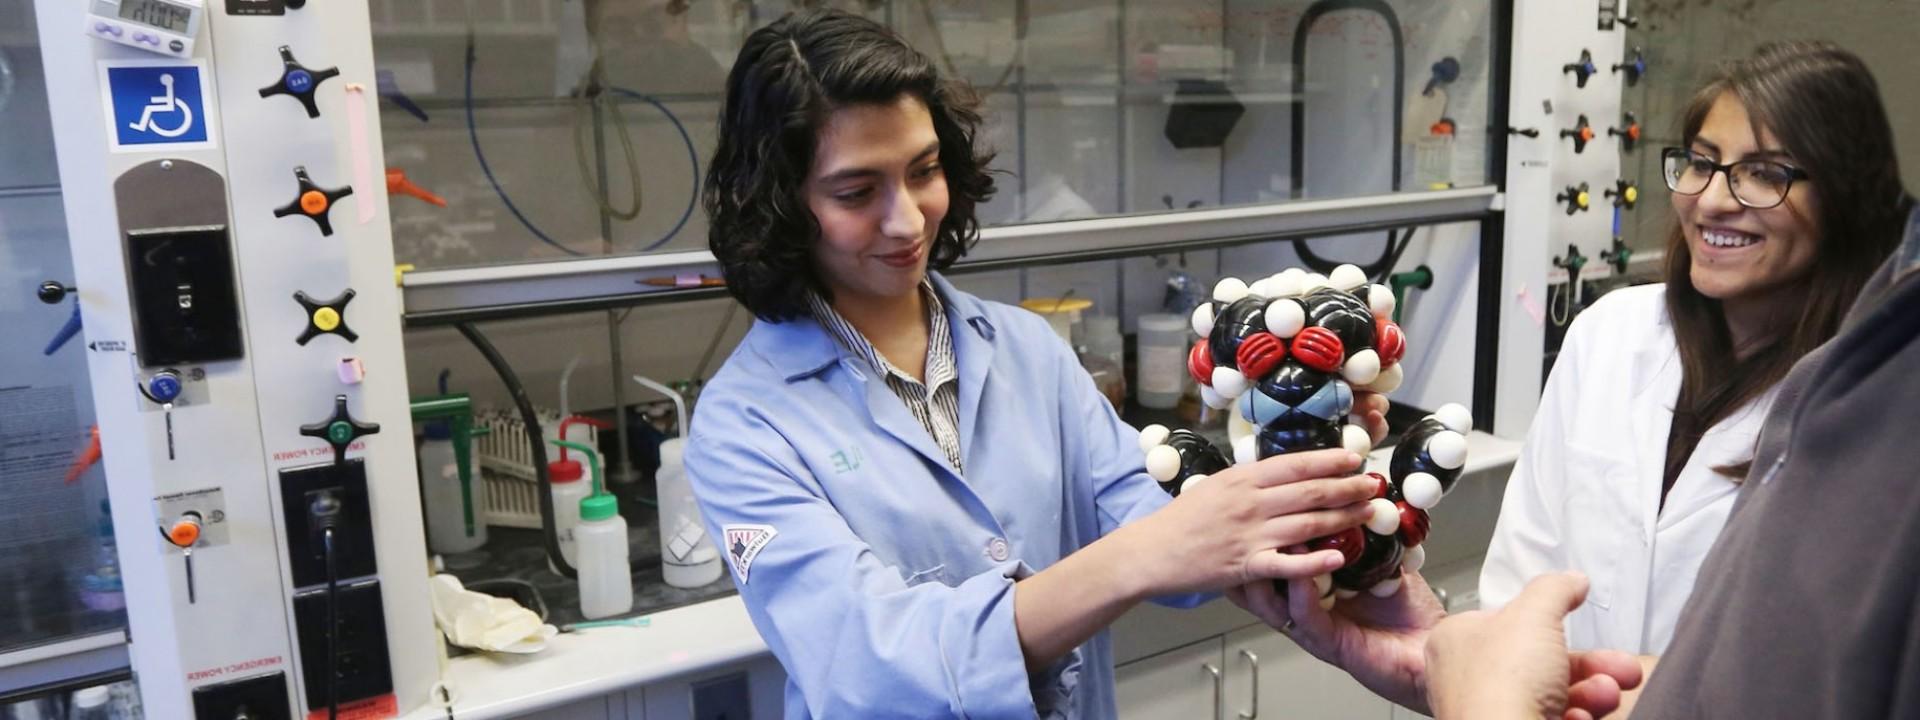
(1585, 493)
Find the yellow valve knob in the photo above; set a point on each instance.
(327, 318)
(1582, 199)
(185, 531)
(1632, 194)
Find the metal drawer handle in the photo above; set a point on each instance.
(1215, 672)
(1253, 664)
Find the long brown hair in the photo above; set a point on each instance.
(1824, 107)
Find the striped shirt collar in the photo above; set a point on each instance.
(939, 366)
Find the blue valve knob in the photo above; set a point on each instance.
(164, 386)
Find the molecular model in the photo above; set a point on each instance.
(1287, 353)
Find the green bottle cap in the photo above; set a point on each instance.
(599, 507)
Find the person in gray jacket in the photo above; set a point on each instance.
(1808, 606)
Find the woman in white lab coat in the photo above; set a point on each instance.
(1786, 196)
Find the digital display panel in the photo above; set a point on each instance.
(154, 13)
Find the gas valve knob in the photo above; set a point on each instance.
(1634, 67)
(1581, 133)
(1624, 194)
(298, 81)
(185, 530)
(1629, 135)
(1581, 70)
(313, 201)
(340, 430)
(328, 317)
(1577, 198)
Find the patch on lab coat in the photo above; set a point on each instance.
(744, 543)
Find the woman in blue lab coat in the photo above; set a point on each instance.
(929, 509)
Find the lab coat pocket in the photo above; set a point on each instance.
(1597, 522)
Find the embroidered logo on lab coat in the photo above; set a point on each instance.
(744, 543)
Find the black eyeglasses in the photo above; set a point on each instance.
(1758, 184)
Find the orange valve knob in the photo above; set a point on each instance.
(313, 202)
(1630, 135)
(1581, 133)
(185, 531)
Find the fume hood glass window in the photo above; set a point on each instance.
(554, 129)
(59, 574)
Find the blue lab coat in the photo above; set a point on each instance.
(880, 578)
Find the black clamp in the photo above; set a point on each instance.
(340, 430)
(313, 201)
(298, 81)
(1583, 69)
(326, 317)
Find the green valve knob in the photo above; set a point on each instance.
(339, 430)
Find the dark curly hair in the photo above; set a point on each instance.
(788, 79)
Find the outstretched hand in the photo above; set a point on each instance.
(1381, 642)
(1513, 663)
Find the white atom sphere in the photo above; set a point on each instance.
(1152, 436)
(1388, 380)
(1356, 440)
(1362, 369)
(1228, 382)
(1286, 318)
(1448, 449)
(1202, 320)
(1380, 301)
(1192, 481)
(1414, 558)
(1229, 289)
(1455, 416)
(1421, 490)
(1386, 517)
(1347, 277)
(1245, 451)
(1163, 463)
(1385, 588)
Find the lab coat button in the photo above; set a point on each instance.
(997, 549)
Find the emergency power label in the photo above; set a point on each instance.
(157, 105)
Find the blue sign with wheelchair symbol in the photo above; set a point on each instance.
(158, 105)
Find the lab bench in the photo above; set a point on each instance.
(705, 654)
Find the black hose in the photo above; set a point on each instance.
(1383, 264)
(534, 438)
(333, 628)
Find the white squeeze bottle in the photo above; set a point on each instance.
(688, 559)
(569, 488)
(606, 581)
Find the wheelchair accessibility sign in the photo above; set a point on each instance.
(156, 105)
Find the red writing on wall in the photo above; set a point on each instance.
(320, 451)
(238, 668)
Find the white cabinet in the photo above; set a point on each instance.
(1249, 674)
(1180, 684)
(1267, 677)
(752, 690)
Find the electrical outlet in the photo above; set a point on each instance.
(186, 306)
(345, 483)
(362, 668)
(263, 697)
